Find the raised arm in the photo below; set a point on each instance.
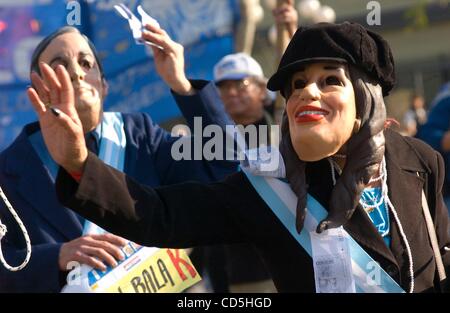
(169, 61)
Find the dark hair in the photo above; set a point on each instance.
(34, 67)
(365, 150)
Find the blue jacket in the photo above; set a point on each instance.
(437, 124)
(29, 188)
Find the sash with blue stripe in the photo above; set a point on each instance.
(112, 145)
(368, 275)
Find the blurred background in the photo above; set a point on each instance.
(417, 30)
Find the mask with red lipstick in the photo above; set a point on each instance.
(333, 77)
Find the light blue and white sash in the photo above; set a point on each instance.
(368, 275)
(112, 145)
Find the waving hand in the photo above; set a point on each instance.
(53, 100)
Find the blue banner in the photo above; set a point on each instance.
(203, 27)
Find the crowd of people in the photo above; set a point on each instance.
(374, 183)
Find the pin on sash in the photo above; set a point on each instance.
(137, 26)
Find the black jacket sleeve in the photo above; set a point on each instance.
(178, 216)
(441, 219)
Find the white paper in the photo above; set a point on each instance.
(332, 262)
(137, 26)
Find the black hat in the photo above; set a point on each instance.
(346, 42)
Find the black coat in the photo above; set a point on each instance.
(192, 214)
